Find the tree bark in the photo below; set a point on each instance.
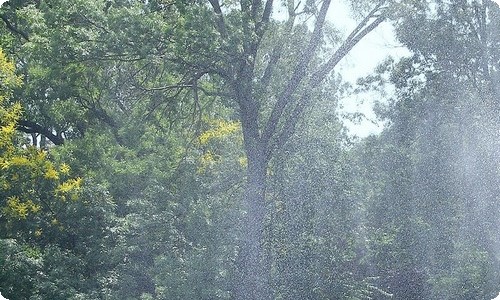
(253, 280)
(32, 127)
(254, 267)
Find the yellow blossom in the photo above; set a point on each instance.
(206, 160)
(35, 207)
(220, 129)
(70, 187)
(5, 165)
(17, 208)
(64, 169)
(19, 161)
(51, 173)
(8, 129)
(41, 155)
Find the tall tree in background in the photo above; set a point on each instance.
(437, 204)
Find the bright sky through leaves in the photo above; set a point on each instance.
(362, 60)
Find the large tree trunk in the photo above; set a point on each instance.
(254, 282)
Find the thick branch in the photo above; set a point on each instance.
(298, 74)
(167, 87)
(221, 25)
(292, 120)
(356, 35)
(32, 127)
(278, 49)
(256, 6)
(14, 29)
(268, 8)
(343, 50)
(242, 82)
(260, 27)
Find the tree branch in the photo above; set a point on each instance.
(96, 25)
(14, 29)
(278, 49)
(268, 8)
(291, 121)
(256, 5)
(342, 51)
(352, 40)
(221, 25)
(260, 27)
(32, 127)
(298, 74)
(167, 87)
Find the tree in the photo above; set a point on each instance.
(45, 215)
(30, 182)
(87, 65)
(435, 215)
(269, 96)
(268, 71)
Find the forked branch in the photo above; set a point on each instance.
(291, 121)
(32, 127)
(298, 75)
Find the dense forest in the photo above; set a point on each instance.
(192, 149)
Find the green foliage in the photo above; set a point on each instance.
(19, 266)
(143, 199)
(430, 210)
(50, 232)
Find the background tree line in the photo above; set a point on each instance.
(193, 150)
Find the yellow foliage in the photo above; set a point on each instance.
(19, 209)
(8, 120)
(8, 129)
(29, 181)
(38, 232)
(8, 115)
(17, 161)
(8, 78)
(51, 173)
(207, 160)
(11, 114)
(243, 161)
(70, 187)
(16, 208)
(40, 155)
(35, 208)
(220, 129)
(64, 169)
